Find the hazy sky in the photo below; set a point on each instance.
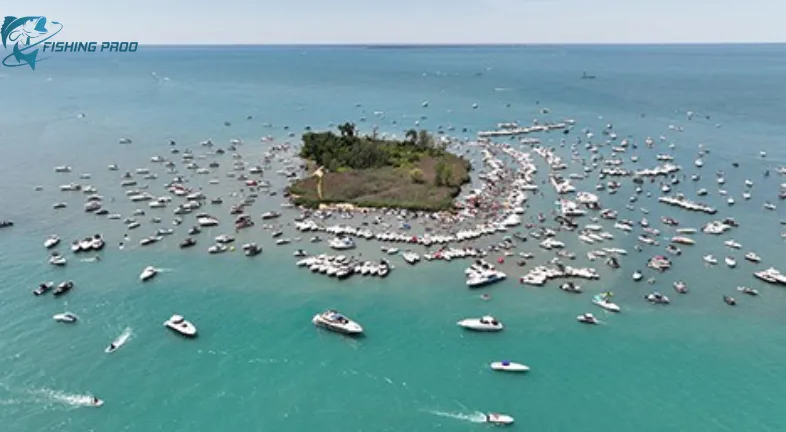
(410, 21)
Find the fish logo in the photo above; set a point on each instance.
(24, 34)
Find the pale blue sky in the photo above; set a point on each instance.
(410, 21)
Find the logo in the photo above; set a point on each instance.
(28, 36)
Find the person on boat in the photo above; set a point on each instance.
(112, 346)
(95, 400)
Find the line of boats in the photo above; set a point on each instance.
(342, 267)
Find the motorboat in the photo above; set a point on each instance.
(570, 287)
(97, 243)
(337, 322)
(729, 300)
(43, 288)
(251, 249)
(180, 325)
(637, 276)
(508, 366)
(52, 241)
(732, 244)
(148, 273)
(217, 248)
(752, 257)
(187, 242)
(66, 317)
(710, 259)
(499, 419)
(484, 324)
(771, 275)
(657, 298)
(63, 288)
(485, 278)
(680, 287)
(587, 318)
(730, 261)
(342, 243)
(224, 239)
(603, 302)
(118, 342)
(747, 290)
(57, 260)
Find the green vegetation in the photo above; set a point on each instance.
(414, 173)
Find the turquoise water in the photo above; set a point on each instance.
(259, 364)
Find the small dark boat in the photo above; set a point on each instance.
(63, 288)
(43, 288)
(188, 242)
(251, 249)
(729, 301)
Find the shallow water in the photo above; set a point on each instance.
(259, 364)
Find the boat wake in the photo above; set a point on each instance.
(165, 270)
(476, 417)
(63, 398)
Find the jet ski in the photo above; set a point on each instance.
(500, 419)
(96, 402)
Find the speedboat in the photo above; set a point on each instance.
(148, 273)
(96, 402)
(499, 419)
(179, 324)
(43, 288)
(217, 248)
(485, 324)
(570, 287)
(680, 287)
(51, 242)
(66, 317)
(752, 257)
(730, 261)
(57, 260)
(334, 321)
(656, 297)
(732, 244)
(709, 259)
(637, 276)
(63, 288)
(118, 342)
(747, 290)
(729, 300)
(187, 242)
(508, 366)
(587, 318)
(603, 302)
(251, 249)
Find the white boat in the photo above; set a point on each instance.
(709, 259)
(57, 260)
(52, 241)
(66, 317)
(119, 342)
(732, 244)
(752, 257)
(148, 273)
(180, 325)
(602, 302)
(508, 366)
(96, 402)
(499, 419)
(342, 243)
(730, 261)
(485, 324)
(334, 321)
(587, 318)
(637, 276)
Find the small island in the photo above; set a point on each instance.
(416, 173)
